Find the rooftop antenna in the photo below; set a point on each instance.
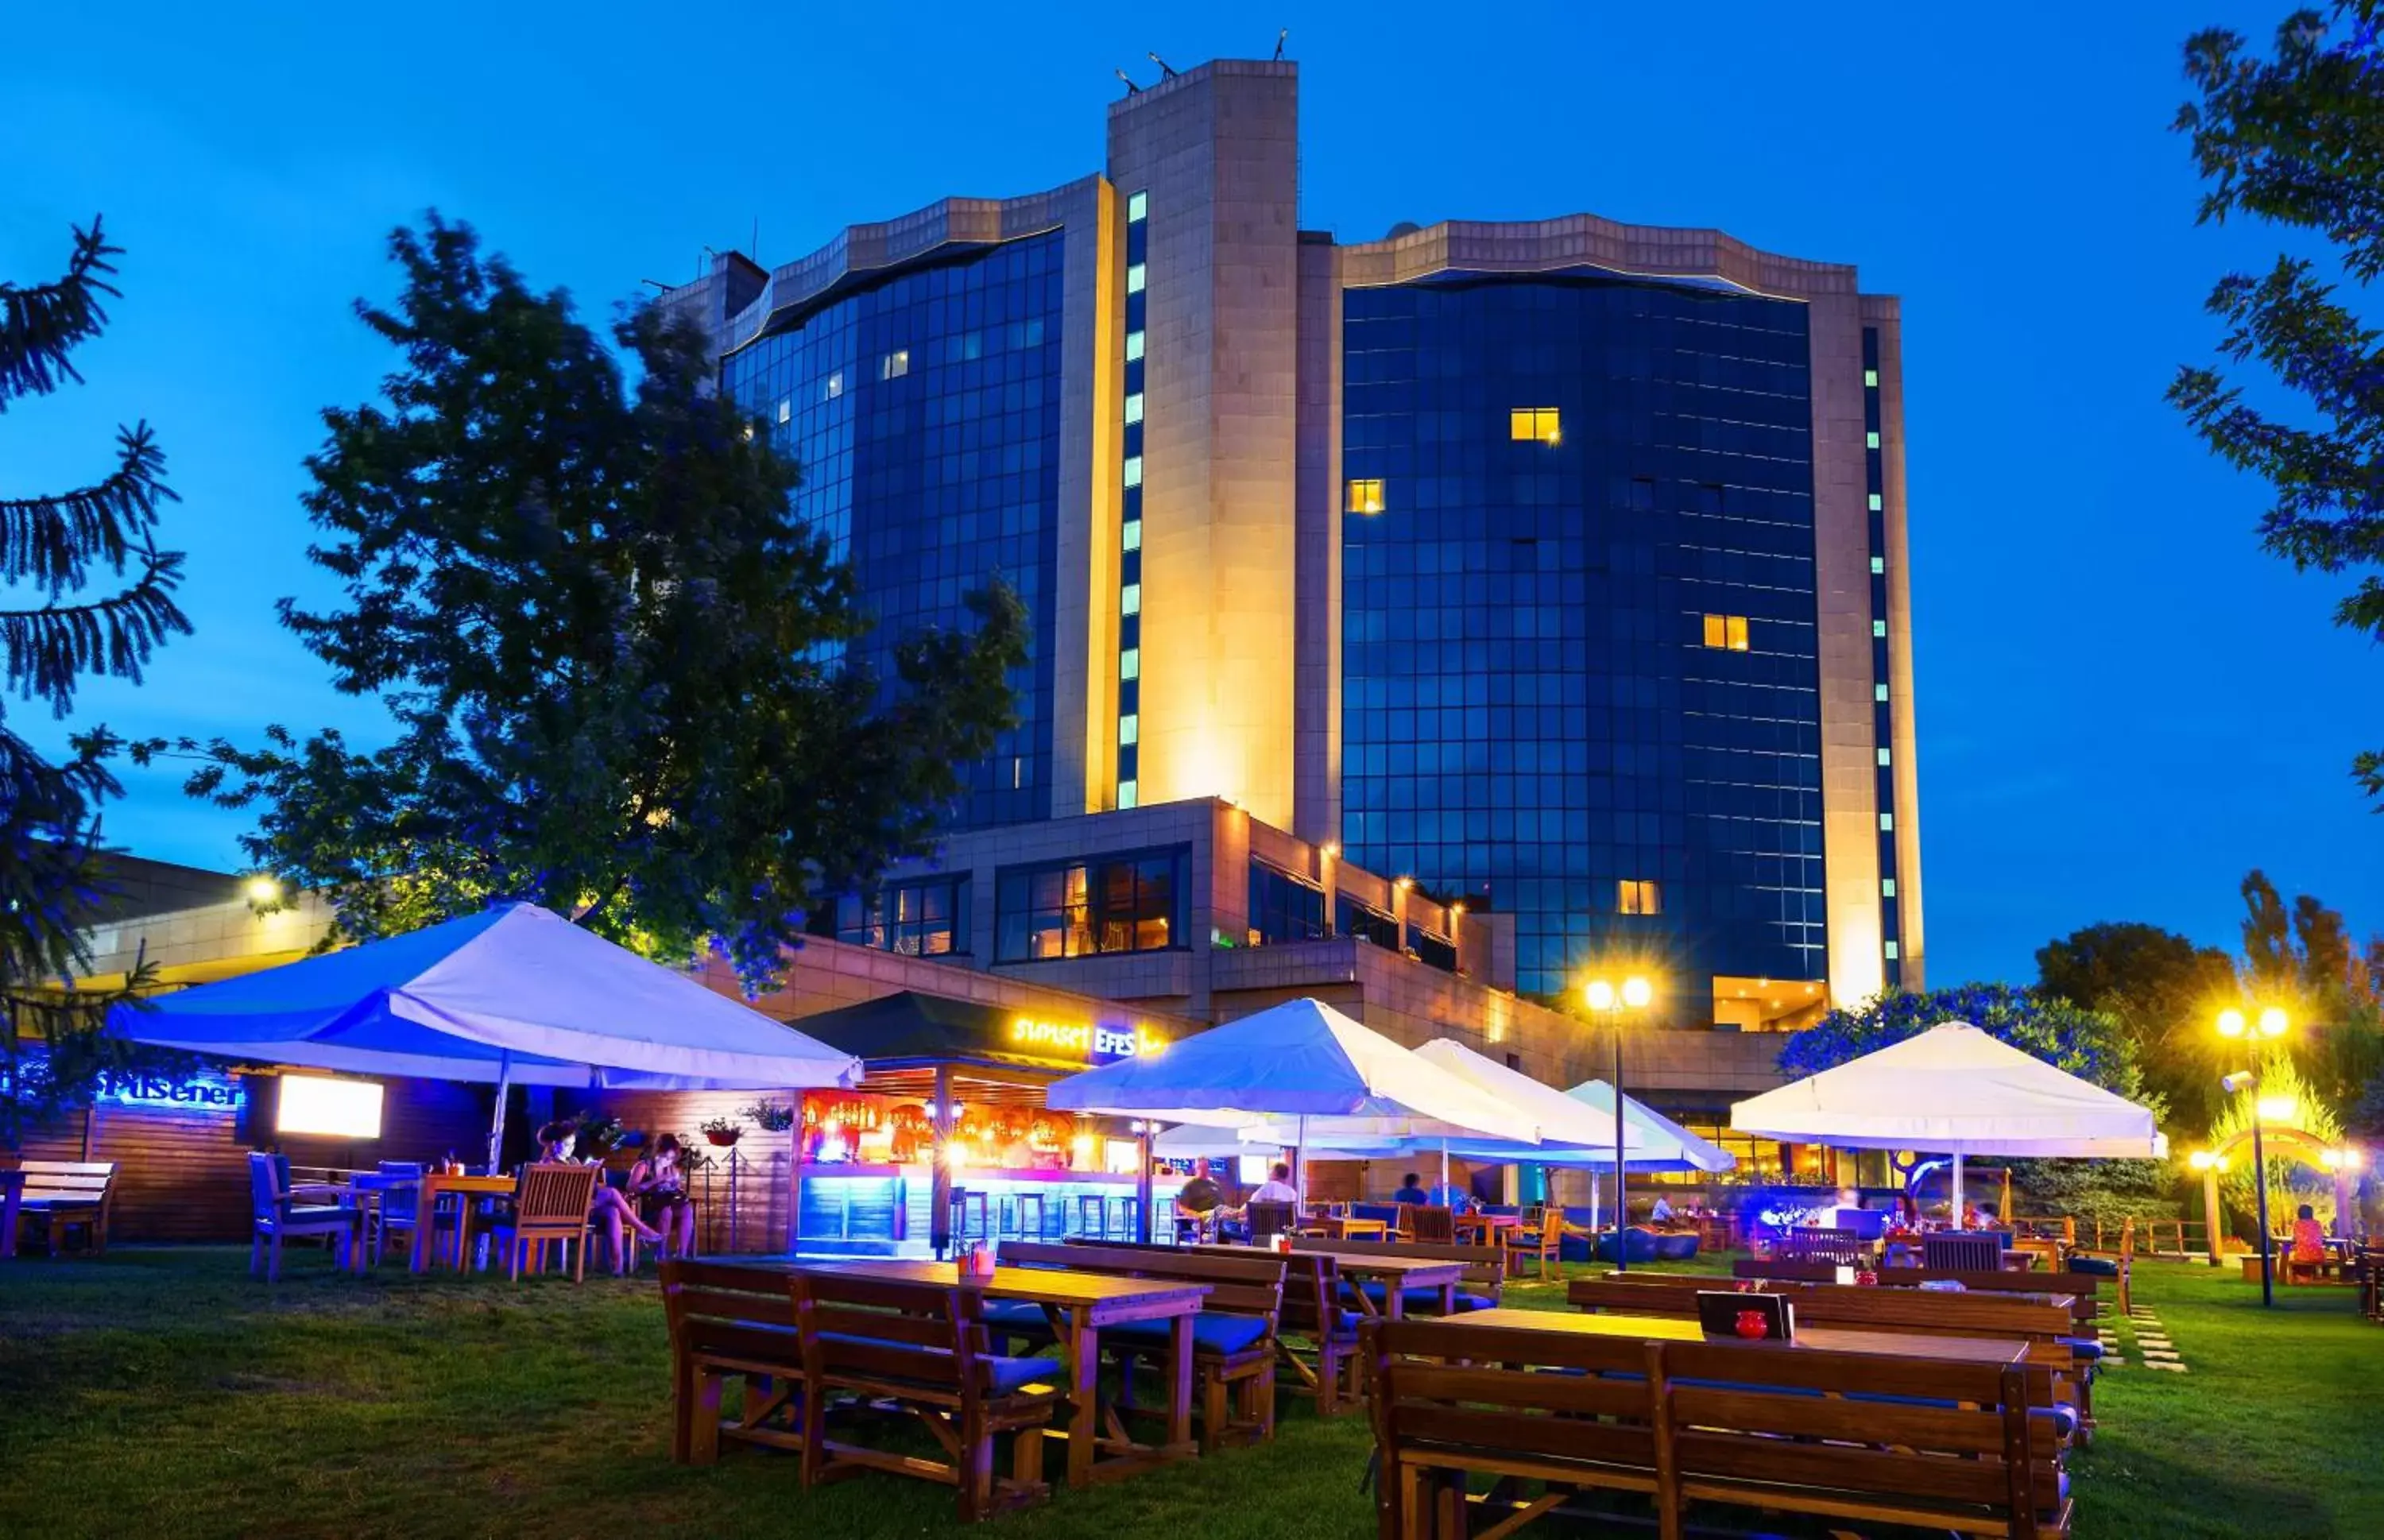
(1131, 89)
(1279, 40)
(1164, 67)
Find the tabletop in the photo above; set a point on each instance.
(1908, 1344)
(1039, 1284)
(1409, 1268)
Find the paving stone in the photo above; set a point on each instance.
(2173, 1368)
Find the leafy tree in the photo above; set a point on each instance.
(613, 658)
(2161, 989)
(2297, 140)
(54, 548)
(2290, 1181)
(2301, 956)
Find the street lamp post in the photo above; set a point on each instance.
(2272, 1024)
(1610, 1002)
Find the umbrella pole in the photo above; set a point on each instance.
(1299, 1169)
(1957, 1203)
(1444, 1173)
(497, 1123)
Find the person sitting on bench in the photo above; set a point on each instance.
(2309, 1237)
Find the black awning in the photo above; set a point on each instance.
(914, 1028)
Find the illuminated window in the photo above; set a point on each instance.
(1875, 504)
(835, 385)
(895, 365)
(1870, 379)
(1882, 756)
(1870, 441)
(1879, 692)
(1134, 408)
(335, 1109)
(1639, 896)
(1878, 564)
(1726, 631)
(1130, 664)
(1133, 346)
(1125, 794)
(1138, 206)
(1366, 495)
(1130, 599)
(1130, 537)
(785, 409)
(1129, 730)
(1133, 278)
(1532, 425)
(1134, 470)
(1878, 628)
(928, 918)
(1891, 953)
(1887, 887)
(1078, 909)
(1886, 822)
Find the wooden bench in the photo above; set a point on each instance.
(731, 1323)
(1234, 1337)
(2082, 1287)
(1485, 1266)
(2046, 1327)
(1311, 1310)
(61, 1196)
(1870, 1438)
(921, 1348)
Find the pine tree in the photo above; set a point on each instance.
(54, 551)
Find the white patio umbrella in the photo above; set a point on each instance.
(514, 995)
(1953, 1088)
(1287, 1071)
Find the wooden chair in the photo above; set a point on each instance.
(61, 1196)
(1960, 1253)
(275, 1217)
(2115, 1265)
(1234, 1336)
(1539, 1239)
(921, 1348)
(12, 1192)
(1432, 1223)
(551, 1205)
(1815, 1244)
(731, 1323)
(1448, 1400)
(1268, 1220)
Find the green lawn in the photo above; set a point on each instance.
(163, 1394)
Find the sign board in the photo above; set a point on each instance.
(1090, 1041)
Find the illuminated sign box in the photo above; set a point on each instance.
(1094, 1043)
(338, 1108)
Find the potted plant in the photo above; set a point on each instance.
(771, 1117)
(723, 1132)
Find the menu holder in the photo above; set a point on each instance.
(1734, 1317)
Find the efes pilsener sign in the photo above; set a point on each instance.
(1090, 1041)
(202, 1092)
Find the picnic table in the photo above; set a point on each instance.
(1486, 1225)
(1665, 1328)
(1078, 1306)
(1397, 1275)
(437, 1184)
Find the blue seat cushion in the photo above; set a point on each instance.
(2102, 1267)
(1006, 1374)
(1409, 1298)
(2086, 1347)
(1742, 1387)
(1675, 1249)
(1349, 1319)
(1475, 1302)
(1212, 1332)
(2065, 1419)
(1016, 1315)
(301, 1213)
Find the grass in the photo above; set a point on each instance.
(163, 1393)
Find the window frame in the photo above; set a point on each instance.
(1074, 900)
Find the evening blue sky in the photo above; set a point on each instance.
(2123, 703)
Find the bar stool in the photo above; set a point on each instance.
(1125, 1212)
(1030, 1216)
(964, 1204)
(1090, 1224)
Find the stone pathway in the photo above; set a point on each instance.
(2152, 1340)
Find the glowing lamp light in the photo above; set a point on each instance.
(1637, 992)
(261, 890)
(2201, 1159)
(2278, 1109)
(2272, 1022)
(1600, 995)
(334, 1109)
(2230, 1023)
(2329, 1159)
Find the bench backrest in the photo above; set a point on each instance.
(1963, 1253)
(1851, 1306)
(897, 1338)
(1455, 1389)
(1433, 1224)
(1485, 1266)
(1250, 1284)
(722, 1309)
(1841, 1246)
(2079, 1286)
(90, 1180)
(554, 1193)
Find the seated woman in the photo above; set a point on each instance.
(610, 1211)
(2309, 1237)
(660, 1187)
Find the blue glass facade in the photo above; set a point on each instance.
(1580, 674)
(924, 412)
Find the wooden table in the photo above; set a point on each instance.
(1488, 1224)
(1342, 1228)
(1399, 1274)
(1668, 1328)
(12, 1194)
(1078, 1305)
(435, 1184)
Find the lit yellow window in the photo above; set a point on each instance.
(1532, 425)
(1366, 495)
(1639, 897)
(1726, 631)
